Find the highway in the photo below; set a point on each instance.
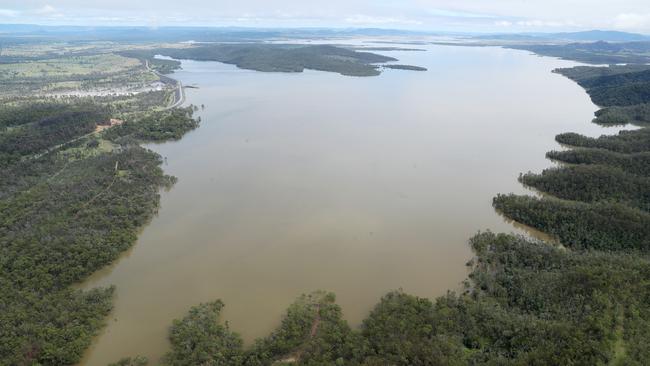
(179, 93)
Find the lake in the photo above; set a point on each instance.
(308, 181)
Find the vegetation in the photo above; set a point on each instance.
(592, 183)
(599, 52)
(636, 164)
(622, 86)
(405, 67)
(282, 58)
(627, 142)
(578, 225)
(80, 74)
(56, 233)
(603, 199)
(57, 226)
(636, 114)
(312, 332)
(580, 73)
(60, 126)
(526, 303)
(73, 196)
(128, 361)
(198, 339)
(77, 67)
(155, 126)
(162, 66)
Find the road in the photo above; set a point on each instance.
(179, 99)
(179, 93)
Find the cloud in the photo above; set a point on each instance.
(537, 23)
(444, 15)
(534, 23)
(633, 21)
(458, 14)
(45, 10)
(9, 13)
(361, 19)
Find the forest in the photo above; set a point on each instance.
(637, 114)
(633, 163)
(598, 197)
(62, 123)
(282, 58)
(626, 142)
(599, 52)
(72, 199)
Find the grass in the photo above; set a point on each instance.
(619, 344)
(81, 75)
(67, 67)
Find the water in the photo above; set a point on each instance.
(300, 182)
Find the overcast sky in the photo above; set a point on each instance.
(446, 15)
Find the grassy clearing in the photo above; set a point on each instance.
(67, 67)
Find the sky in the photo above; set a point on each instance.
(426, 15)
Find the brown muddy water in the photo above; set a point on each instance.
(300, 182)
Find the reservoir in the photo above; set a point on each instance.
(317, 181)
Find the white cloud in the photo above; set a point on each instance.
(537, 23)
(361, 19)
(453, 15)
(458, 14)
(9, 13)
(633, 21)
(45, 10)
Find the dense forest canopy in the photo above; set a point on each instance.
(599, 52)
(281, 57)
(72, 198)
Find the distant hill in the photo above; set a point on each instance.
(599, 52)
(176, 33)
(600, 35)
(585, 36)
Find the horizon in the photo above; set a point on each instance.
(314, 28)
(475, 16)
